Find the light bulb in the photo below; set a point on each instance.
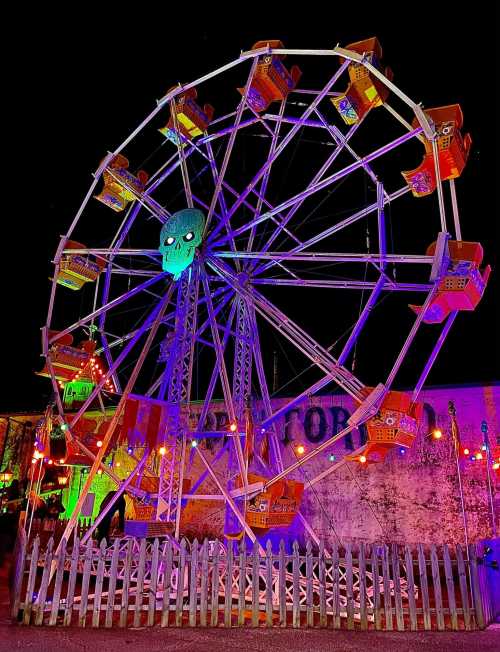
(362, 459)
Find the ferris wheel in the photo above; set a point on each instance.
(171, 283)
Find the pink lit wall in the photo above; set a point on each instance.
(411, 497)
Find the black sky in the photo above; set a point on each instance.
(80, 82)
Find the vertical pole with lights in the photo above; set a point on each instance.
(489, 463)
(456, 447)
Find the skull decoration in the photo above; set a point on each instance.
(179, 238)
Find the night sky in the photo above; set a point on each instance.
(81, 83)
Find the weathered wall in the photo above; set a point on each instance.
(410, 497)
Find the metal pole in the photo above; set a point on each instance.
(486, 441)
(454, 429)
(456, 216)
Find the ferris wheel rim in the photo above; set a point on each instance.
(213, 255)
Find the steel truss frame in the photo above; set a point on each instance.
(223, 281)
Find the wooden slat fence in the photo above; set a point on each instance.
(145, 583)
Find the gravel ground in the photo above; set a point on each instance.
(44, 639)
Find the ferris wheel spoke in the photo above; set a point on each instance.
(226, 131)
(215, 371)
(224, 377)
(221, 198)
(157, 211)
(107, 307)
(116, 243)
(433, 355)
(226, 388)
(178, 372)
(260, 194)
(167, 319)
(324, 183)
(180, 151)
(261, 375)
(324, 257)
(151, 322)
(389, 284)
(230, 145)
(228, 295)
(267, 173)
(293, 333)
(411, 335)
(286, 140)
(112, 252)
(363, 317)
(169, 166)
(341, 143)
(155, 318)
(326, 233)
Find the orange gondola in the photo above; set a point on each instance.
(272, 81)
(77, 269)
(277, 506)
(365, 90)
(453, 151)
(462, 285)
(395, 425)
(192, 120)
(120, 186)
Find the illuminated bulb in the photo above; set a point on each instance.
(99, 444)
(301, 450)
(331, 458)
(232, 427)
(194, 443)
(483, 447)
(129, 450)
(99, 472)
(162, 450)
(479, 456)
(33, 461)
(64, 426)
(402, 451)
(496, 466)
(362, 459)
(62, 460)
(118, 464)
(466, 451)
(51, 462)
(437, 434)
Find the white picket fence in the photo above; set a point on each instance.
(163, 583)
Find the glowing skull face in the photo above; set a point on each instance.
(179, 238)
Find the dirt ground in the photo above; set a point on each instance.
(221, 640)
